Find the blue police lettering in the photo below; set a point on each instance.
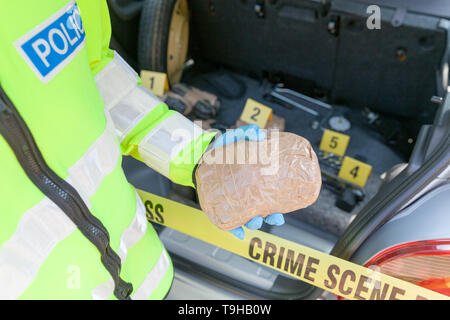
(49, 47)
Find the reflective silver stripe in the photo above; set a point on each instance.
(103, 291)
(153, 278)
(115, 81)
(43, 226)
(161, 145)
(38, 232)
(126, 101)
(134, 232)
(130, 236)
(98, 161)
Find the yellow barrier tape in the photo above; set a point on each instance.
(322, 270)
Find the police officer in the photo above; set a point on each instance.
(71, 225)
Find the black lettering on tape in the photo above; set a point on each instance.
(310, 269)
(290, 262)
(346, 274)
(148, 208)
(376, 294)
(158, 210)
(280, 257)
(254, 241)
(332, 281)
(361, 288)
(269, 253)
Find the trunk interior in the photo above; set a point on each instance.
(356, 81)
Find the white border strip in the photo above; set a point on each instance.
(153, 278)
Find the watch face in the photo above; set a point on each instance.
(339, 123)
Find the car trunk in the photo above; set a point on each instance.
(380, 82)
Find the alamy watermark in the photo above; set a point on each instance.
(373, 22)
(73, 281)
(264, 153)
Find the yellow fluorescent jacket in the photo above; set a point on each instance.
(85, 109)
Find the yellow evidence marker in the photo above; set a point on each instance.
(155, 81)
(257, 113)
(334, 142)
(355, 171)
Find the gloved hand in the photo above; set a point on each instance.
(253, 133)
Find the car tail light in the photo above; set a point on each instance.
(425, 263)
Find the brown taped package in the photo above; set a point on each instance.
(231, 194)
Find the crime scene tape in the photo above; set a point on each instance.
(341, 277)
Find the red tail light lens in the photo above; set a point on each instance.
(425, 263)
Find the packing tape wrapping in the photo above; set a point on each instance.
(240, 181)
(338, 276)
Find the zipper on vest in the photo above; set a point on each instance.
(17, 134)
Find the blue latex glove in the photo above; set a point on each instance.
(253, 133)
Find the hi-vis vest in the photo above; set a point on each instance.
(84, 108)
